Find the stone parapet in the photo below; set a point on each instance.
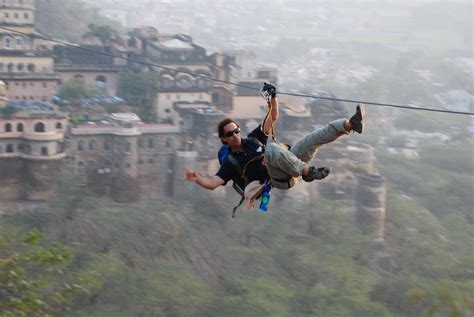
(136, 130)
(29, 76)
(85, 68)
(54, 157)
(105, 129)
(161, 128)
(43, 136)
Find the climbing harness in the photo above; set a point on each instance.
(226, 154)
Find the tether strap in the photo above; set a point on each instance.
(273, 132)
(238, 205)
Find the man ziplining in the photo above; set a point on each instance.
(254, 161)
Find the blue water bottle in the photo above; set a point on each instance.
(265, 198)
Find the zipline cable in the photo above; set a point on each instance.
(237, 84)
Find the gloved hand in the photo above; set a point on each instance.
(270, 89)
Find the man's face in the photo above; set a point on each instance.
(232, 134)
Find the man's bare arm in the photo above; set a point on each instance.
(272, 118)
(210, 183)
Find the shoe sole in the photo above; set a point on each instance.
(361, 110)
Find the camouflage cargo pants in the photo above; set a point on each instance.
(285, 167)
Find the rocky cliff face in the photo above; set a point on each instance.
(39, 178)
(29, 180)
(11, 187)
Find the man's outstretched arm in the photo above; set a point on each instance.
(205, 182)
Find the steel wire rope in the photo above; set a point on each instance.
(237, 84)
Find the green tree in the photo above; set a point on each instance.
(75, 89)
(139, 89)
(33, 277)
(104, 33)
(445, 298)
(259, 297)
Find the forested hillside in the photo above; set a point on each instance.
(161, 258)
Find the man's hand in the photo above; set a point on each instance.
(206, 182)
(191, 175)
(270, 89)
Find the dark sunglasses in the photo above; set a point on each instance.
(230, 133)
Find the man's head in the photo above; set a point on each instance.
(229, 132)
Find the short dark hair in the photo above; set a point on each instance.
(222, 124)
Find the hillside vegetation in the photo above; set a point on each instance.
(68, 19)
(162, 259)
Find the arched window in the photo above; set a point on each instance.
(10, 148)
(140, 143)
(101, 81)
(59, 126)
(150, 143)
(20, 67)
(10, 67)
(44, 151)
(19, 127)
(8, 127)
(128, 147)
(81, 145)
(92, 145)
(21, 148)
(31, 68)
(39, 127)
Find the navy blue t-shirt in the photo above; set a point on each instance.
(255, 170)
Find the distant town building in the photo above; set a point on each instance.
(26, 62)
(31, 151)
(121, 156)
(97, 70)
(179, 52)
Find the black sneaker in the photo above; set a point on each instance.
(316, 173)
(357, 119)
